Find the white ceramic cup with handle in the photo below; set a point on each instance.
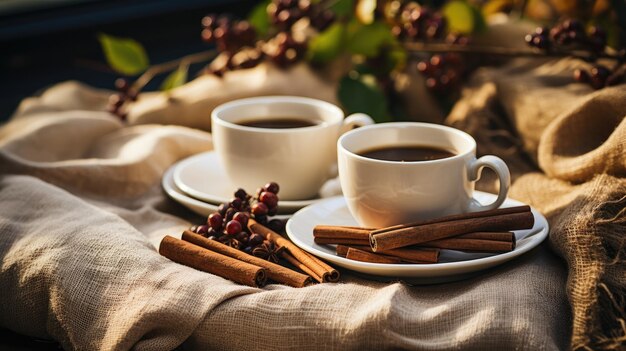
(381, 193)
(299, 159)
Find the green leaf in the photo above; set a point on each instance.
(342, 7)
(368, 39)
(259, 19)
(126, 56)
(175, 79)
(463, 17)
(328, 44)
(361, 94)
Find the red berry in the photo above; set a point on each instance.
(272, 211)
(233, 228)
(241, 194)
(202, 229)
(121, 85)
(272, 187)
(242, 218)
(259, 209)
(229, 214)
(270, 199)
(215, 221)
(236, 203)
(242, 237)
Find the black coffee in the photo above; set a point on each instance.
(279, 123)
(406, 153)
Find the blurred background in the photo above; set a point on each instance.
(43, 42)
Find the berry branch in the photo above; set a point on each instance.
(169, 66)
(127, 92)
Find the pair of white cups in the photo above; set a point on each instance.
(378, 193)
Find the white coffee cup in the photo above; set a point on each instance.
(383, 193)
(300, 160)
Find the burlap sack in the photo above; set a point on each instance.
(522, 112)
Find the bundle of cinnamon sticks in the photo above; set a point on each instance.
(420, 242)
(198, 252)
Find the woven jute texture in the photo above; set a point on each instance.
(577, 138)
(81, 211)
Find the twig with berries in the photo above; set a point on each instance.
(128, 92)
(570, 38)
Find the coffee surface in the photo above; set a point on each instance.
(406, 153)
(279, 123)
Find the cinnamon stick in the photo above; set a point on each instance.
(287, 256)
(346, 232)
(477, 245)
(364, 256)
(329, 234)
(418, 255)
(321, 269)
(342, 241)
(478, 241)
(494, 220)
(496, 236)
(212, 262)
(456, 217)
(275, 272)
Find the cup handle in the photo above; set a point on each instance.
(504, 177)
(356, 120)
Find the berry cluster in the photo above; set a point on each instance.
(229, 35)
(442, 72)
(569, 36)
(235, 40)
(229, 225)
(416, 22)
(239, 46)
(599, 76)
(118, 101)
(284, 50)
(284, 13)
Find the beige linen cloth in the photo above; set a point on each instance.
(81, 211)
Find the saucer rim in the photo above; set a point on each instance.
(285, 205)
(199, 207)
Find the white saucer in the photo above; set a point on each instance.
(203, 177)
(334, 211)
(197, 206)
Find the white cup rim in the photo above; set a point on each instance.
(336, 112)
(457, 156)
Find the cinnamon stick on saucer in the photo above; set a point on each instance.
(422, 256)
(364, 256)
(323, 272)
(342, 241)
(275, 272)
(349, 235)
(512, 218)
(212, 262)
(477, 245)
